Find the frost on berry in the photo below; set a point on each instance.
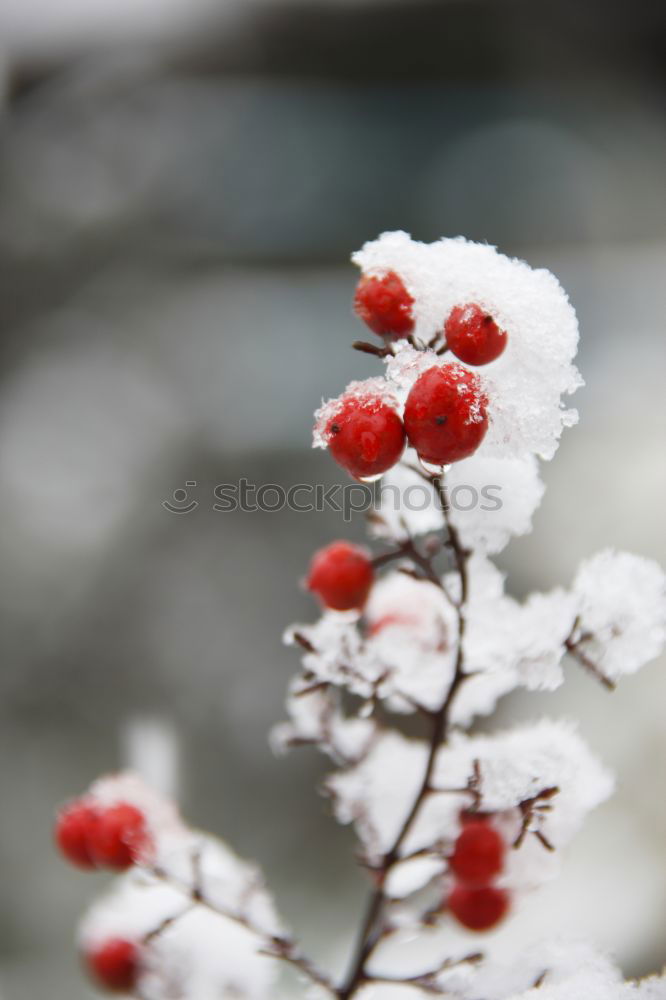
(446, 414)
(361, 429)
(385, 305)
(341, 576)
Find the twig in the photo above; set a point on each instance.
(572, 647)
(427, 981)
(274, 946)
(585, 661)
(378, 352)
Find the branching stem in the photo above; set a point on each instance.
(373, 928)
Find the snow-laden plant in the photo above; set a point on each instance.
(454, 827)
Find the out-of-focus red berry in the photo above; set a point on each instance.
(445, 414)
(478, 909)
(365, 436)
(341, 575)
(473, 335)
(114, 965)
(72, 833)
(385, 305)
(119, 837)
(389, 620)
(478, 855)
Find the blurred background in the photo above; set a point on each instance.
(181, 185)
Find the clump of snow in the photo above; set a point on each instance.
(526, 383)
(542, 625)
(493, 499)
(515, 767)
(621, 601)
(315, 718)
(404, 650)
(189, 950)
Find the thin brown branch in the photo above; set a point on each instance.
(373, 928)
(274, 946)
(427, 981)
(574, 650)
(377, 352)
(573, 644)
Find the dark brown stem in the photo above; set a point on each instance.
(377, 352)
(373, 929)
(408, 550)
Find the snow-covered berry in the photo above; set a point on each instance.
(473, 335)
(478, 909)
(118, 837)
(385, 305)
(445, 414)
(341, 575)
(114, 965)
(72, 833)
(478, 855)
(365, 436)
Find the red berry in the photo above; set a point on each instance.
(341, 575)
(72, 833)
(119, 837)
(365, 436)
(478, 854)
(473, 335)
(114, 965)
(478, 909)
(445, 414)
(385, 305)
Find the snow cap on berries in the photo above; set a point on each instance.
(526, 382)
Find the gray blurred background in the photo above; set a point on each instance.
(180, 188)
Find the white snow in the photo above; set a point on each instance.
(526, 383)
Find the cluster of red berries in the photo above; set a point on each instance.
(385, 305)
(115, 836)
(477, 860)
(445, 420)
(93, 836)
(445, 416)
